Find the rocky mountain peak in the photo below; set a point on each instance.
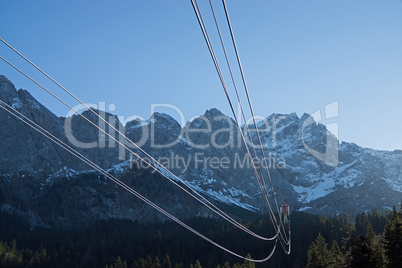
(157, 116)
(5, 83)
(9, 94)
(212, 113)
(162, 120)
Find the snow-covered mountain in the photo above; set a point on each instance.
(51, 187)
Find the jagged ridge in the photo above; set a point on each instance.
(363, 179)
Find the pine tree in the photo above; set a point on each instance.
(336, 255)
(393, 239)
(370, 233)
(119, 263)
(141, 262)
(167, 263)
(40, 257)
(2, 249)
(322, 250)
(318, 254)
(226, 265)
(376, 255)
(135, 265)
(148, 262)
(179, 265)
(197, 264)
(247, 263)
(347, 243)
(312, 256)
(156, 263)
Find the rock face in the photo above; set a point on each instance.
(51, 187)
(23, 149)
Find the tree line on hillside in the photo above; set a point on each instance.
(156, 263)
(370, 238)
(363, 247)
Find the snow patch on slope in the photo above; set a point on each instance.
(320, 189)
(394, 185)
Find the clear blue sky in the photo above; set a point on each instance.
(298, 56)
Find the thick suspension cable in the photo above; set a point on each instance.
(249, 102)
(244, 81)
(193, 194)
(264, 187)
(204, 31)
(202, 25)
(74, 152)
(207, 40)
(238, 96)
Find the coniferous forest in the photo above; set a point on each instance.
(372, 239)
